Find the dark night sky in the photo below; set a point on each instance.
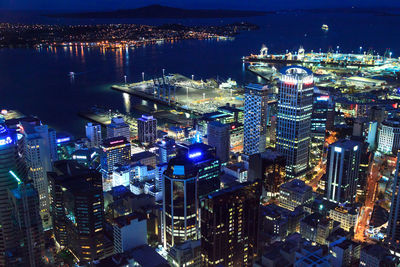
(233, 4)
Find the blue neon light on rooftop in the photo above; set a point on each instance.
(5, 141)
(195, 154)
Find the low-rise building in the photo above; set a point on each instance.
(294, 193)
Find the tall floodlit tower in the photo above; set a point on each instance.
(294, 118)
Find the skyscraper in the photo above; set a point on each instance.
(77, 210)
(180, 202)
(115, 150)
(93, 133)
(218, 137)
(393, 230)
(268, 166)
(255, 119)
(29, 245)
(318, 125)
(147, 129)
(342, 171)
(294, 118)
(118, 128)
(208, 167)
(11, 159)
(38, 160)
(229, 225)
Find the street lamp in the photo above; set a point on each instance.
(143, 76)
(125, 79)
(192, 77)
(360, 49)
(163, 72)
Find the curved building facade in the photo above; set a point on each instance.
(180, 202)
(294, 118)
(11, 159)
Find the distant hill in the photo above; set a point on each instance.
(158, 11)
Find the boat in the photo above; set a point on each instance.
(325, 27)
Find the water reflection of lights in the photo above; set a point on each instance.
(127, 102)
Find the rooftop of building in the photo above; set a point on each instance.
(346, 144)
(297, 186)
(142, 155)
(182, 166)
(228, 190)
(214, 115)
(256, 86)
(379, 216)
(146, 118)
(375, 250)
(26, 189)
(126, 220)
(69, 167)
(296, 71)
(114, 141)
(271, 155)
(230, 108)
(145, 256)
(218, 124)
(392, 122)
(238, 166)
(228, 180)
(313, 220)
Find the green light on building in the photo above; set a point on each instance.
(15, 177)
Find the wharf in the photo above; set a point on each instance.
(100, 118)
(311, 62)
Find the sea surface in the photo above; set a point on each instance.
(37, 81)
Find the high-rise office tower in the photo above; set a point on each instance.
(93, 133)
(53, 144)
(118, 128)
(229, 225)
(166, 150)
(77, 210)
(342, 171)
(11, 159)
(180, 202)
(116, 150)
(318, 124)
(29, 237)
(218, 137)
(38, 160)
(393, 230)
(268, 166)
(294, 118)
(255, 119)
(208, 167)
(147, 129)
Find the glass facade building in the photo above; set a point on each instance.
(342, 171)
(255, 119)
(11, 159)
(180, 202)
(294, 118)
(77, 206)
(229, 225)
